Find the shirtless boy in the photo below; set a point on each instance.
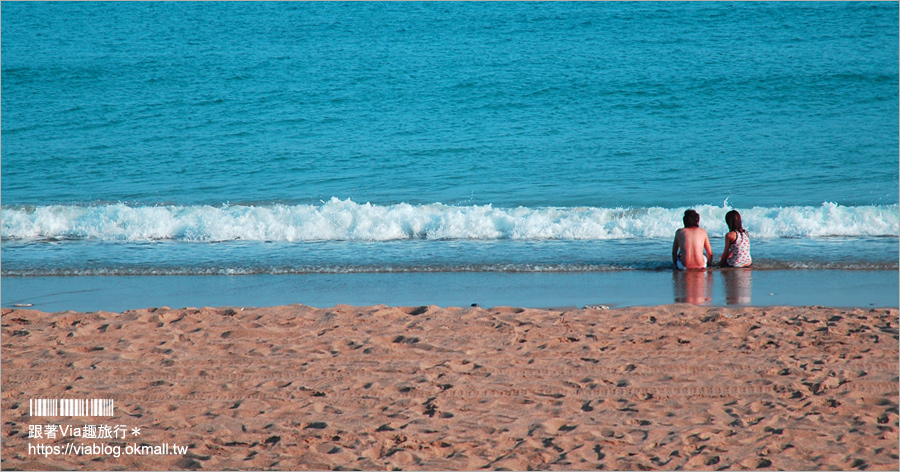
(690, 242)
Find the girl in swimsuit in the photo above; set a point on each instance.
(737, 242)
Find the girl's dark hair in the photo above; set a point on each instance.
(733, 220)
(691, 219)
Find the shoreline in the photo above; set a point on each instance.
(427, 388)
(720, 287)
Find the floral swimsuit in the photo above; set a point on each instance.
(740, 250)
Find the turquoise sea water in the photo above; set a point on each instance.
(306, 138)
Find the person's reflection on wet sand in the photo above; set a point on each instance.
(738, 286)
(692, 286)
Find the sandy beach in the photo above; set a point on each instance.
(412, 388)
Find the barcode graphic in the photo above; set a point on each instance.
(71, 407)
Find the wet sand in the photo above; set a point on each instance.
(379, 388)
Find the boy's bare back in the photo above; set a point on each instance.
(689, 246)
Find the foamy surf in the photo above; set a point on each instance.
(345, 220)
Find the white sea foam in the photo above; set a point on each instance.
(347, 220)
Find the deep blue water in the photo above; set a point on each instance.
(232, 138)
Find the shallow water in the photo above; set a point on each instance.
(727, 287)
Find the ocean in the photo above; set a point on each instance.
(357, 146)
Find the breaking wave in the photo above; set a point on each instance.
(345, 220)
